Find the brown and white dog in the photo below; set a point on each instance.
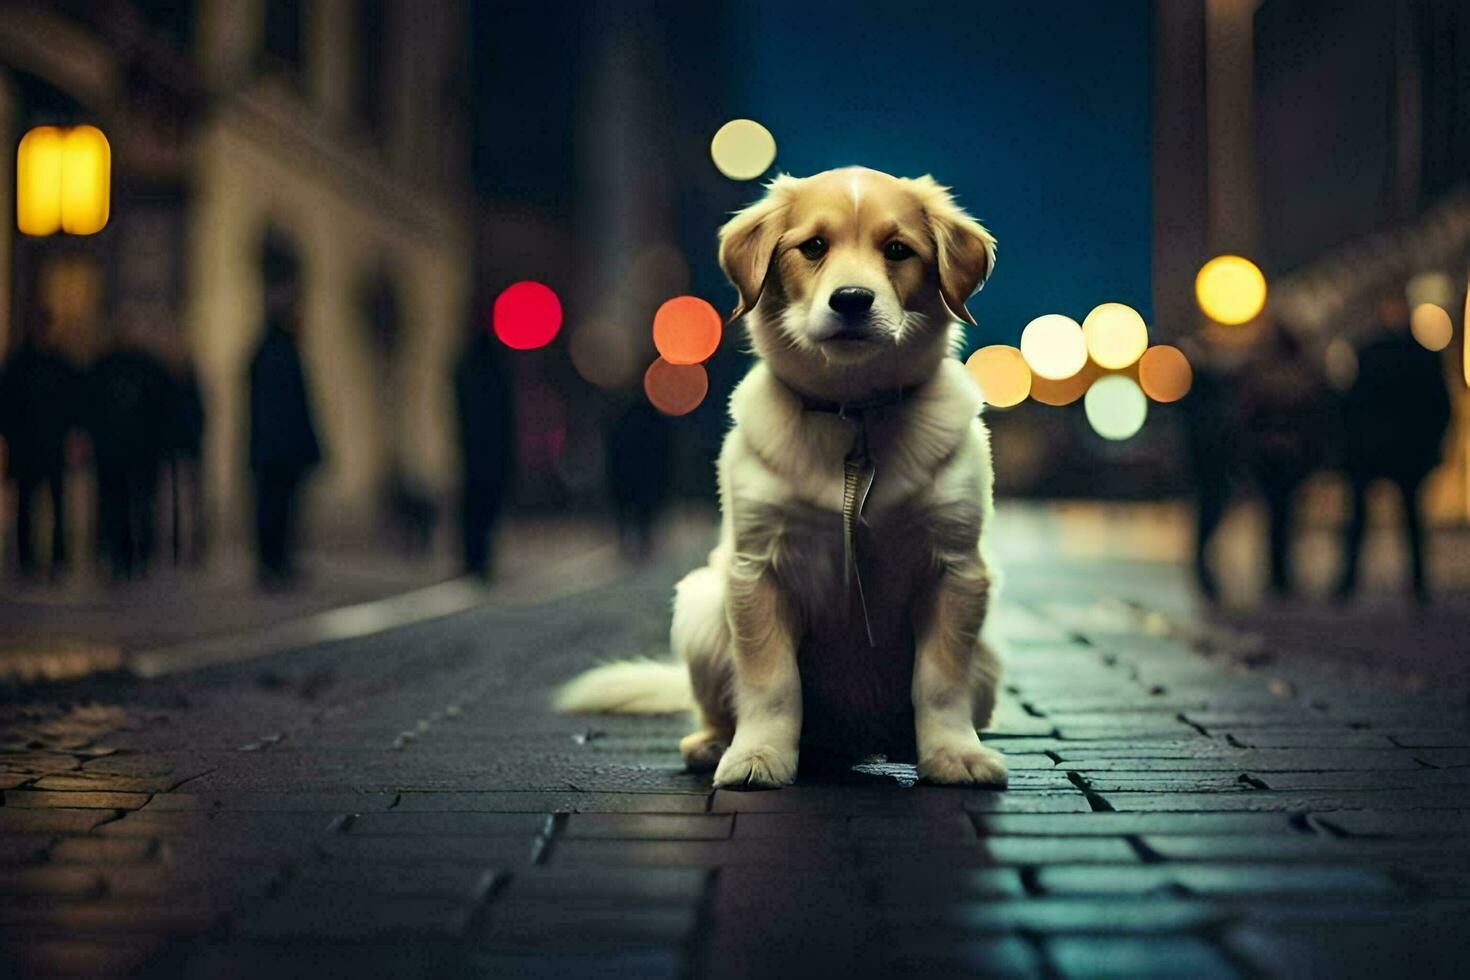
(799, 636)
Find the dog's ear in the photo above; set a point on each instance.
(963, 249)
(748, 241)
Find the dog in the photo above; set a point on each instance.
(840, 613)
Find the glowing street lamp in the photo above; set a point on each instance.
(63, 181)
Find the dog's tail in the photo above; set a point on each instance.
(628, 687)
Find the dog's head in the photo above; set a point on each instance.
(851, 281)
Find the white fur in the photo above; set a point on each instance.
(632, 687)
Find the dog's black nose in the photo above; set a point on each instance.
(851, 301)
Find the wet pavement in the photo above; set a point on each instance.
(1183, 802)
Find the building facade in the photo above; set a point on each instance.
(342, 124)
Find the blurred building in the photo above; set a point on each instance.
(1330, 141)
(344, 123)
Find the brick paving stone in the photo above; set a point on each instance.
(332, 803)
(464, 883)
(217, 824)
(1438, 823)
(99, 850)
(1264, 761)
(103, 782)
(51, 820)
(937, 827)
(1384, 800)
(341, 915)
(907, 886)
(1021, 802)
(87, 800)
(571, 926)
(1206, 879)
(1113, 914)
(647, 826)
(1113, 824)
(452, 822)
(641, 886)
(552, 801)
(418, 958)
(499, 852)
(1432, 738)
(640, 960)
(798, 856)
(1128, 956)
(161, 880)
(997, 851)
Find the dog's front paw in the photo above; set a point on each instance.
(972, 765)
(755, 767)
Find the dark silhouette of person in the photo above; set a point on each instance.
(130, 399)
(486, 414)
(639, 474)
(40, 403)
(186, 450)
(1287, 430)
(1395, 417)
(283, 441)
(1212, 429)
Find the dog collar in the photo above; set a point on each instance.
(859, 406)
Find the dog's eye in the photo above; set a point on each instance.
(814, 248)
(896, 251)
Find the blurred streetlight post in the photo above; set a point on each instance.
(63, 181)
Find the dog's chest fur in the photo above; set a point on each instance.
(781, 479)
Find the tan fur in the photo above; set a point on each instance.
(778, 656)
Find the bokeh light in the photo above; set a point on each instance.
(743, 149)
(1164, 373)
(1053, 346)
(1430, 287)
(675, 389)
(1341, 364)
(1465, 351)
(1066, 391)
(604, 354)
(686, 330)
(1230, 289)
(63, 181)
(1002, 375)
(1431, 326)
(1116, 407)
(526, 315)
(1116, 335)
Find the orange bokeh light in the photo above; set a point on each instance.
(1164, 373)
(1066, 391)
(675, 389)
(686, 330)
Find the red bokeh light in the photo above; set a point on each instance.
(527, 315)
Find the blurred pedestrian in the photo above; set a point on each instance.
(130, 402)
(639, 474)
(1287, 430)
(1212, 427)
(1395, 417)
(40, 403)
(186, 463)
(486, 410)
(283, 440)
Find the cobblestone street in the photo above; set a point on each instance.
(404, 804)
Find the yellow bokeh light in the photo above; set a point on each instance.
(1066, 391)
(63, 180)
(1116, 407)
(1230, 289)
(1002, 375)
(1116, 335)
(1465, 350)
(1164, 373)
(743, 149)
(1053, 346)
(1431, 326)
